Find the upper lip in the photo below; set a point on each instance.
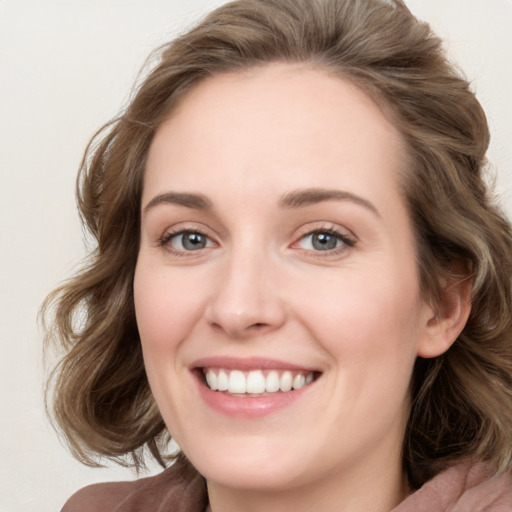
(247, 364)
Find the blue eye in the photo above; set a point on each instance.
(324, 240)
(185, 241)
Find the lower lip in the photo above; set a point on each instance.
(249, 406)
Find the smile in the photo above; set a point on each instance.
(256, 382)
(252, 387)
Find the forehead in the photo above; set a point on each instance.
(281, 120)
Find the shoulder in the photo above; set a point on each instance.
(486, 490)
(463, 488)
(179, 484)
(104, 496)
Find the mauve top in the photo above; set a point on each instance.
(462, 488)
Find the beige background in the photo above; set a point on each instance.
(65, 68)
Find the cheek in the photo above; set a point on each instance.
(166, 311)
(366, 316)
(166, 308)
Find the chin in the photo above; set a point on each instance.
(251, 465)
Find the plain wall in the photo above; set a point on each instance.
(66, 67)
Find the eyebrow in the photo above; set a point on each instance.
(295, 199)
(308, 196)
(189, 200)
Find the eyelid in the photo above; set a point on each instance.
(320, 226)
(173, 234)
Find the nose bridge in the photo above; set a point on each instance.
(246, 299)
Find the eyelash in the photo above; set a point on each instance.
(347, 241)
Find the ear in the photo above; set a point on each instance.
(449, 317)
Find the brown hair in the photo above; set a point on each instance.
(462, 400)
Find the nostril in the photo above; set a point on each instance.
(258, 326)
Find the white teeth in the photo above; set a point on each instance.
(237, 382)
(255, 382)
(272, 382)
(211, 379)
(286, 381)
(222, 381)
(299, 381)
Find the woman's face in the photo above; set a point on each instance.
(276, 252)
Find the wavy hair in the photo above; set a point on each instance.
(461, 401)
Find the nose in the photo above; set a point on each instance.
(246, 300)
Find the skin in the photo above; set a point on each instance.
(260, 287)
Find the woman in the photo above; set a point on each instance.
(300, 276)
